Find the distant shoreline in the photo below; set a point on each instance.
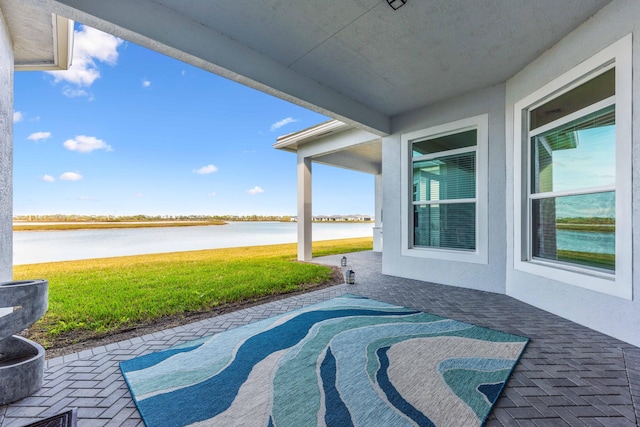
(594, 228)
(67, 225)
(110, 225)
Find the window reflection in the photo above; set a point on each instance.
(578, 229)
(580, 154)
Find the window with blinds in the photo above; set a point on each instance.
(572, 167)
(444, 191)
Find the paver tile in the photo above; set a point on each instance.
(24, 411)
(568, 375)
(61, 406)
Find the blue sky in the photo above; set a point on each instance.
(129, 131)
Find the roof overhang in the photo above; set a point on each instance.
(291, 142)
(335, 143)
(41, 40)
(360, 62)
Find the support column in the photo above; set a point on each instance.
(304, 208)
(6, 154)
(377, 229)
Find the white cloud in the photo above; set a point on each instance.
(86, 144)
(139, 195)
(87, 198)
(146, 83)
(283, 122)
(38, 136)
(70, 176)
(17, 116)
(48, 178)
(255, 190)
(206, 170)
(70, 92)
(90, 47)
(213, 193)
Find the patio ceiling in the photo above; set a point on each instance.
(366, 157)
(358, 61)
(41, 40)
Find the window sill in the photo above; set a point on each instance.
(474, 257)
(606, 283)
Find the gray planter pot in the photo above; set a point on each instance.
(21, 360)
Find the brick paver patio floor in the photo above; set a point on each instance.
(568, 375)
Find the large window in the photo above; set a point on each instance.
(574, 177)
(573, 171)
(444, 191)
(445, 215)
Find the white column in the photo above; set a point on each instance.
(304, 208)
(377, 229)
(6, 153)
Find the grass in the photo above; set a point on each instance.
(606, 261)
(95, 297)
(110, 225)
(598, 228)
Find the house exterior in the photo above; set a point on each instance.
(493, 130)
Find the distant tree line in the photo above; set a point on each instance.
(587, 220)
(143, 218)
(592, 223)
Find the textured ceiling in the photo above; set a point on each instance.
(355, 60)
(395, 61)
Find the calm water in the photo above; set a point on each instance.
(46, 246)
(586, 241)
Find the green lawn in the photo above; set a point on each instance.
(606, 261)
(106, 295)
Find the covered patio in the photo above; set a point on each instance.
(568, 375)
(400, 82)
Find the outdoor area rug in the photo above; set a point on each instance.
(349, 361)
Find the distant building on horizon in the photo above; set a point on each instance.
(339, 218)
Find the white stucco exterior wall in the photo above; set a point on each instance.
(487, 277)
(611, 315)
(6, 153)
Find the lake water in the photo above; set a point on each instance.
(46, 246)
(586, 241)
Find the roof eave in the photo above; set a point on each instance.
(292, 141)
(62, 46)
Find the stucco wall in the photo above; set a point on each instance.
(6, 153)
(487, 277)
(612, 315)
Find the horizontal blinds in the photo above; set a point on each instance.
(450, 226)
(445, 178)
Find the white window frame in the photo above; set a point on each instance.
(480, 255)
(618, 283)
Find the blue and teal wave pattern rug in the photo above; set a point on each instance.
(349, 361)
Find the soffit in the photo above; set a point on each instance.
(363, 158)
(336, 144)
(40, 39)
